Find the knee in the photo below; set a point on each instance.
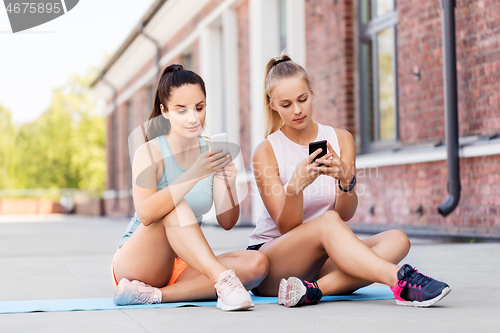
(401, 240)
(329, 223)
(330, 219)
(257, 264)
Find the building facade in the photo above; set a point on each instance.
(377, 71)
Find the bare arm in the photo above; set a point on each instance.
(151, 205)
(226, 201)
(342, 169)
(285, 207)
(347, 202)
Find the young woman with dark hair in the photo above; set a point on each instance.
(164, 256)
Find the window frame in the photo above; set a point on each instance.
(368, 33)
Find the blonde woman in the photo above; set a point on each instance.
(302, 228)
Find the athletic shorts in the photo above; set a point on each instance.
(179, 267)
(255, 247)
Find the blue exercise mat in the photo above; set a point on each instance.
(86, 304)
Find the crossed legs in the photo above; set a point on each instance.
(326, 249)
(149, 255)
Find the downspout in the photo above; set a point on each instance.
(451, 109)
(158, 58)
(158, 51)
(114, 140)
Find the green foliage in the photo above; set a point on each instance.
(63, 148)
(7, 149)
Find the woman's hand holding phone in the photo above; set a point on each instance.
(333, 166)
(304, 173)
(210, 162)
(228, 173)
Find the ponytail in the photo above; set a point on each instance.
(277, 69)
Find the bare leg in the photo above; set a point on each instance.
(250, 267)
(149, 254)
(392, 246)
(303, 251)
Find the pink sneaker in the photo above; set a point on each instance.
(136, 292)
(232, 295)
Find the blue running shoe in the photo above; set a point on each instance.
(416, 289)
(297, 292)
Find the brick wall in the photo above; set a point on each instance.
(410, 194)
(242, 13)
(421, 103)
(330, 61)
(30, 206)
(478, 64)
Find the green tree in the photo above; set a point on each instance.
(63, 148)
(7, 149)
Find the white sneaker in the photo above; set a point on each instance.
(136, 292)
(232, 295)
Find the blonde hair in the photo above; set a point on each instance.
(276, 70)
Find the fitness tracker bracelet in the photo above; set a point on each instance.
(353, 182)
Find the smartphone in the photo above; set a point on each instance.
(218, 141)
(313, 146)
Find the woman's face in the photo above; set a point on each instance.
(186, 110)
(292, 99)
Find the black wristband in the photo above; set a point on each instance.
(353, 182)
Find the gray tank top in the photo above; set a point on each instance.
(199, 198)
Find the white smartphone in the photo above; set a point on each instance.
(218, 141)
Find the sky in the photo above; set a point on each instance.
(36, 61)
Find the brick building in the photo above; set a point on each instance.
(377, 70)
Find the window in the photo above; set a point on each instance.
(187, 61)
(282, 24)
(378, 74)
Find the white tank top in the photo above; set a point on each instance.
(319, 196)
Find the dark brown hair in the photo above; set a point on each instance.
(173, 76)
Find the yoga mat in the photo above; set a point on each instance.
(89, 304)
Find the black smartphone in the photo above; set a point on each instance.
(313, 146)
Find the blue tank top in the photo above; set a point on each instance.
(199, 198)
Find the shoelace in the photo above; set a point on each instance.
(145, 293)
(416, 278)
(231, 284)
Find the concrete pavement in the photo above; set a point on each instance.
(60, 257)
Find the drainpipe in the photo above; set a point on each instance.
(114, 140)
(451, 109)
(158, 58)
(158, 50)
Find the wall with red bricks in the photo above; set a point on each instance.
(410, 194)
(478, 62)
(116, 207)
(419, 41)
(30, 206)
(330, 61)
(242, 13)
(393, 195)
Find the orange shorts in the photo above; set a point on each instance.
(179, 266)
